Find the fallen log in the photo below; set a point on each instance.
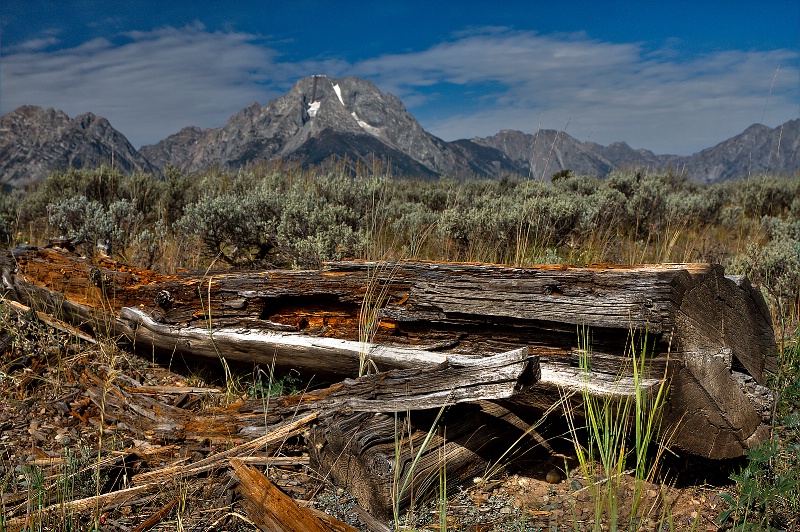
(703, 329)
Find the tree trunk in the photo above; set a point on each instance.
(704, 332)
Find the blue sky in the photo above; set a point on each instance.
(673, 77)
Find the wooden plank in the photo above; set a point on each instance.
(19, 308)
(157, 517)
(274, 511)
(274, 436)
(456, 380)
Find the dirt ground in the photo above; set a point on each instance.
(56, 447)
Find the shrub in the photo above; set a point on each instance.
(312, 230)
(85, 221)
(238, 228)
(765, 195)
(775, 264)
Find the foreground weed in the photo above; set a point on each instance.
(762, 491)
(609, 423)
(379, 279)
(767, 491)
(234, 388)
(404, 484)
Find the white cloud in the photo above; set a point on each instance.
(35, 45)
(151, 84)
(605, 91)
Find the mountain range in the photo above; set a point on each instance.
(322, 117)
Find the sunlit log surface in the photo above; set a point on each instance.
(705, 332)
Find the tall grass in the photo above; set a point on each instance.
(403, 482)
(379, 278)
(620, 434)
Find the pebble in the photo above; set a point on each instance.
(575, 485)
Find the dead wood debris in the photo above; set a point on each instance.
(157, 448)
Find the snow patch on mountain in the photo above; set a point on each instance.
(372, 130)
(313, 107)
(338, 92)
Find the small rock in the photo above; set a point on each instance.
(575, 485)
(553, 476)
(505, 510)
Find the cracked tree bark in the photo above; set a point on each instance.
(706, 333)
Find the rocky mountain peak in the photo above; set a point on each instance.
(350, 118)
(353, 105)
(35, 142)
(318, 118)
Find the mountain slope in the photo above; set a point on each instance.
(349, 118)
(35, 142)
(547, 152)
(322, 117)
(757, 150)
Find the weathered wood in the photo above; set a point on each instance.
(691, 314)
(79, 506)
(464, 307)
(19, 308)
(274, 436)
(456, 380)
(274, 511)
(374, 455)
(157, 517)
